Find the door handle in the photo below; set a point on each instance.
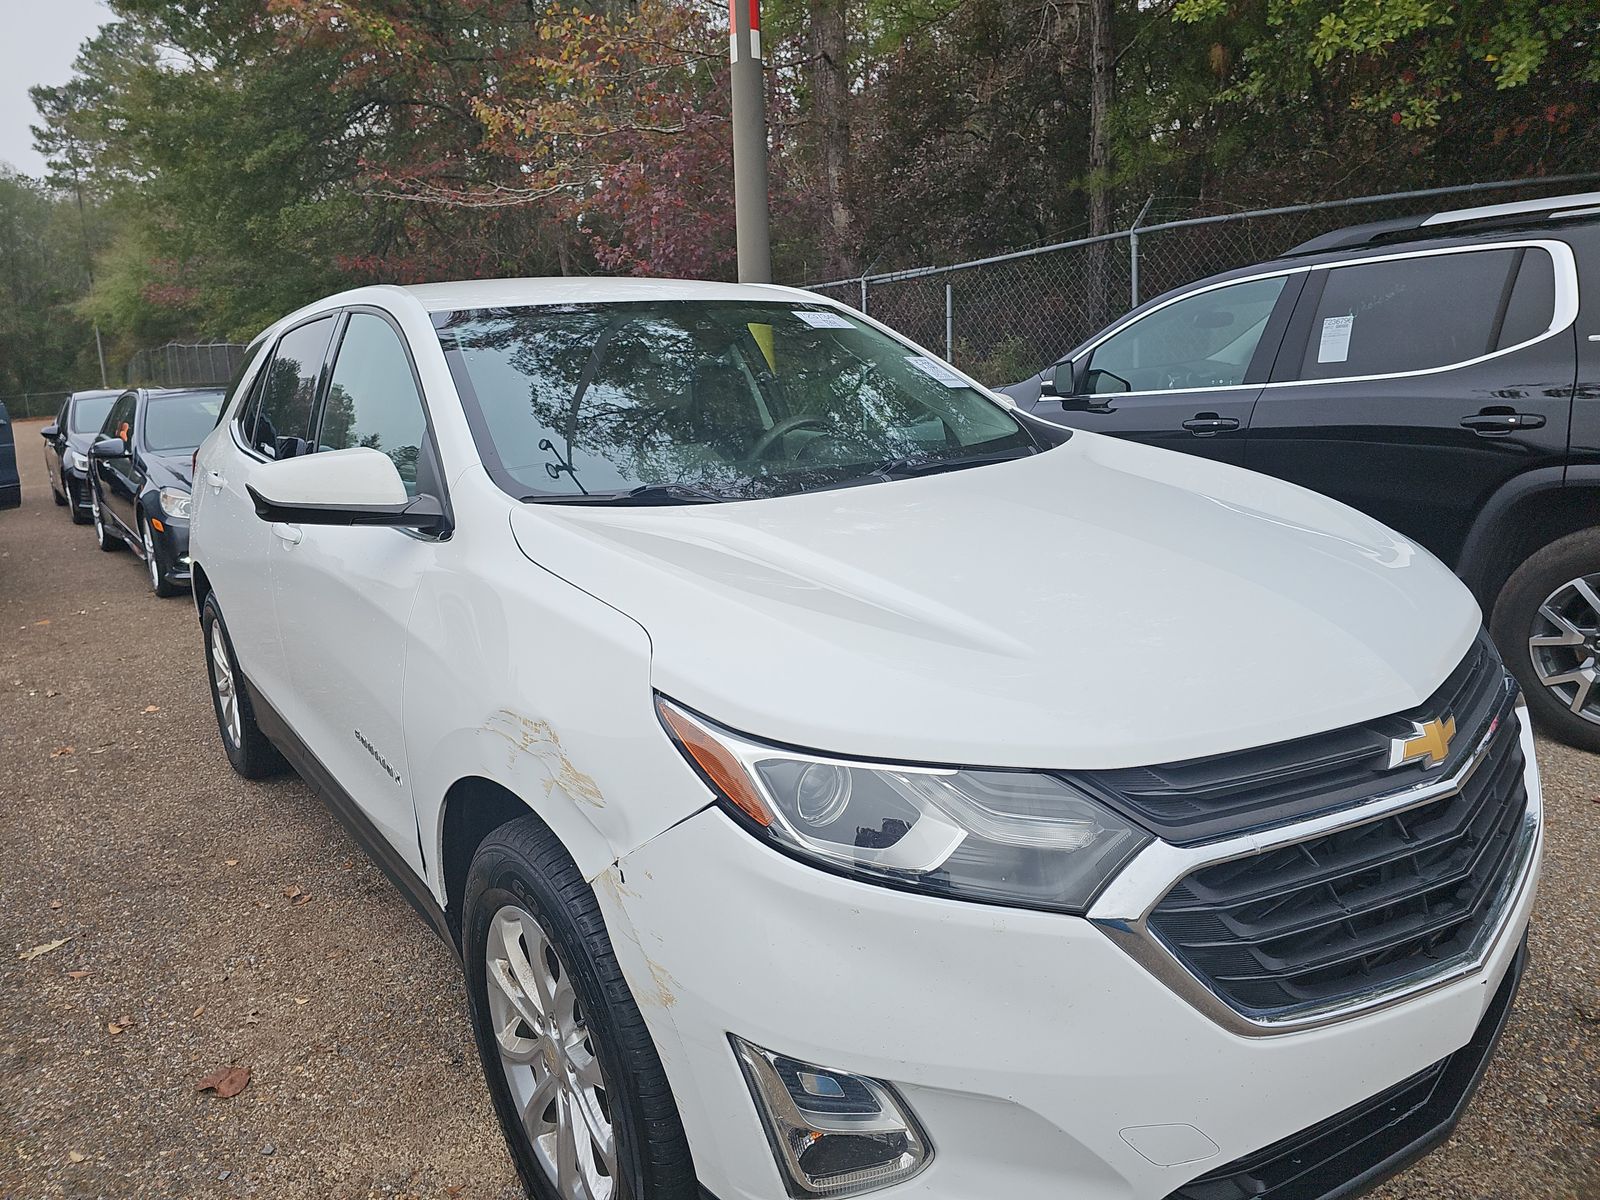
(1207, 423)
(289, 533)
(215, 478)
(1492, 421)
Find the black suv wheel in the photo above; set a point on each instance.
(1547, 625)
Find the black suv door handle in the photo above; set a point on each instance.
(1492, 421)
(1207, 423)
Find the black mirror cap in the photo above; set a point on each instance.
(50, 432)
(423, 513)
(112, 447)
(1059, 380)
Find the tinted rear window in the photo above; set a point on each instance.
(180, 422)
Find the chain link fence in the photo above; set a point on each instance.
(22, 405)
(185, 364)
(1004, 318)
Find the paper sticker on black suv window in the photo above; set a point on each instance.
(1335, 344)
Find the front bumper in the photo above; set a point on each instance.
(1042, 1058)
(173, 539)
(76, 485)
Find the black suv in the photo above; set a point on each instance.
(1441, 373)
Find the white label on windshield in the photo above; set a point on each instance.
(823, 320)
(934, 369)
(1335, 344)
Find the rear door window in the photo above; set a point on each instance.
(1427, 312)
(281, 420)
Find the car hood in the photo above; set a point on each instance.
(82, 441)
(166, 470)
(1100, 605)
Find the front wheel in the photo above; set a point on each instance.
(575, 1079)
(1547, 625)
(79, 517)
(155, 562)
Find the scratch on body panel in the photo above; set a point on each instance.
(524, 735)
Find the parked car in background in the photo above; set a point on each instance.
(1441, 373)
(834, 781)
(10, 481)
(141, 472)
(66, 452)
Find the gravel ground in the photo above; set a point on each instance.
(213, 922)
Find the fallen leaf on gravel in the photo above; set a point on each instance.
(302, 898)
(74, 1156)
(150, 708)
(63, 751)
(292, 891)
(83, 974)
(302, 999)
(45, 621)
(230, 862)
(55, 904)
(42, 948)
(226, 1082)
(113, 1028)
(198, 1011)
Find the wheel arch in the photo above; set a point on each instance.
(473, 808)
(1528, 513)
(200, 583)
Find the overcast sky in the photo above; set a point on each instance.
(38, 41)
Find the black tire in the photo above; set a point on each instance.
(79, 517)
(523, 864)
(250, 753)
(108, 539)
(156, 565)
(1517, 617)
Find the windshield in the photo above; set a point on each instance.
(734, 400)
(180, 422)
(89, 413)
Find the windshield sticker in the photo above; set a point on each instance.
(1335, 344)
(823, 320)
(936, 370)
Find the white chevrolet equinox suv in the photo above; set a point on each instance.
(835, 782)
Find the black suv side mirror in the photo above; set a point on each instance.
(1059, 380)
(50, 432)
(109, 448)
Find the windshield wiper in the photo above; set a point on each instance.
(907, 466)
(645, 494)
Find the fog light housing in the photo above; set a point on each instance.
(834, 1134)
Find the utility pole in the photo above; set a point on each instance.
(88, 266)
(749, 143)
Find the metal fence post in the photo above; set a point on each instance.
(1133, 253)
(863, 293)
(949, 321)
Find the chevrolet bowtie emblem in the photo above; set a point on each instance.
(1430, 740)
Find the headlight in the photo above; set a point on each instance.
(1007, 837)
(175, 502)
(76, 461)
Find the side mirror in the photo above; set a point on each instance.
(50, 432)
(358, 486)
(109, 448)
(1059, 380)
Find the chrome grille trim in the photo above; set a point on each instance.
(1123, 909)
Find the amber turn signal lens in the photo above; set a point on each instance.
(155, 523)
(719, 766)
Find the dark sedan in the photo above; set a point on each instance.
(141, 474)
(66, 448)
(10, 483)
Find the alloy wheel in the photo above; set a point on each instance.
(225, 683)
(150, 555)
(548, 1056)
(1564, 645)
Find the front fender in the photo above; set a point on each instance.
(517, 677)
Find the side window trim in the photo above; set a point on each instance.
(246, 440)
(1566, 312)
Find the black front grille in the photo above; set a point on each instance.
(1354, 1150)
(1365, 907)
(1204, 799)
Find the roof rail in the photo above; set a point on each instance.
(1361, 235)
(1515, 208)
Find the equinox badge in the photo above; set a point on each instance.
(1430, 740)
